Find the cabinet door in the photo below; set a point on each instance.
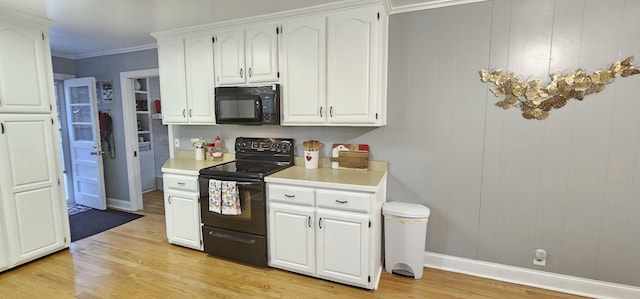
(343, 246)
(172, 80)
(200, 78)
(291, 238)
(25, 69)
(5, 258)
(34, 208)
(261, 54)
(182, 216)
(303, 71)
(229, 57)
(353, 45)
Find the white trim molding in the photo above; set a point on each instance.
(119, 204)
(130, 134)
(105, 53)
(429, 5)
(535, 278)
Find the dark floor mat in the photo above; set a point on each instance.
(91, 222)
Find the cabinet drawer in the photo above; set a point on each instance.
(290, 194)
(181, 182)
(344, 200)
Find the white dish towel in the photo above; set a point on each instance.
(230, 199)
(215, 196)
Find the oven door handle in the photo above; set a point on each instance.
(231, 179)
(231, 238)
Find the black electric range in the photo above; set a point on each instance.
(242, 237)
(255, 158)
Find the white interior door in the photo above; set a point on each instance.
(84, 142)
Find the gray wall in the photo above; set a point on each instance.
(63, 65)
(498, 185)
(108, 68)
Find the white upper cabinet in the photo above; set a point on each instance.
(337, 76)
(25, 68)
(246, 55)
(186, 79)
(173, 86)
(200, 78)
(303, 70)
(331, 64)
(355, 66)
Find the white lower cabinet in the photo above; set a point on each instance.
(329, 234)
(182, 210)
(342, 246)
(33, 214)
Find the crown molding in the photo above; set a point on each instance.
(430, 5)
(104, 53)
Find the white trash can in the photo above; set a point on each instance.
(405, 235)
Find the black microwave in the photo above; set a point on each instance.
(248, 105)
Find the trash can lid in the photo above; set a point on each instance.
(405, 209)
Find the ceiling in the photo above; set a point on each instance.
(97, 27)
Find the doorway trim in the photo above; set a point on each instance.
(64, 133)
(130, 137)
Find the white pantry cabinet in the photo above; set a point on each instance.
(25, 65)
(182, 210)
(346, 85)
(187, 79)
(246, 55)
(326, 233)
(33, 214)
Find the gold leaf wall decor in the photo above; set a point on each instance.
(535, 101)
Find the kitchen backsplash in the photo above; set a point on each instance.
(326, 135)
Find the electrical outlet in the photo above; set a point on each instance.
(176, 142)
(540, 257)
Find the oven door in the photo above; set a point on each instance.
(252, 218)
(238, 109)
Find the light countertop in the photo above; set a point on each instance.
(326, 177)
(190, 166)
(323, 177)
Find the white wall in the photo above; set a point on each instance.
(499, 185)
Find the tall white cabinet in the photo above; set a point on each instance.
(33, 212)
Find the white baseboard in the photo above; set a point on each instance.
(119, 204)
(535, 278)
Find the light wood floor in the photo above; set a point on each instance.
(134, 260)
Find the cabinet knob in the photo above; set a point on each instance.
(342, 201)
(320, 111)
(309, 222)
(241, 72)
(331, 111)
(320, 222)
(190, 114)
(289, 196)
(184, 111)
(181, 183)
(250, 73)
